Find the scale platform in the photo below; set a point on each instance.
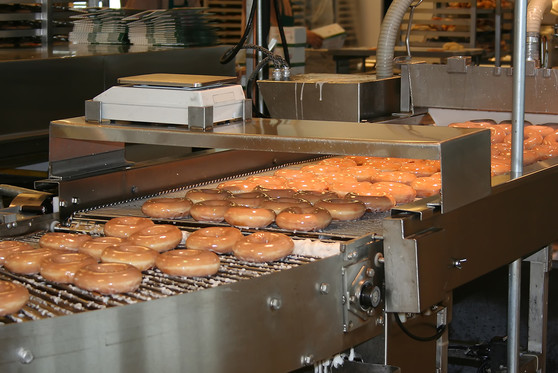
(197, 101)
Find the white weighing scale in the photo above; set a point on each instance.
(197, 101)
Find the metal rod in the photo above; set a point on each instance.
(498, 34)
(518, 116)
(260, 41)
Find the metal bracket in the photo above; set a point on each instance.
(458, 64)
(93, 111)
(200, 118)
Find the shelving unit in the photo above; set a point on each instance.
(33, 22)
(437, 22)
(228, 19)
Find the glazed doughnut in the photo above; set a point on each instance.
(108, 278)
(217, 239)
(251, 199)
(540, 129)
(343, 209)
(160, 237)
(28, 262)
(551, 139)
(262, 247)
(467, 124)
(499, 166)
(238, 186)
(384, 164)
(10, 247)
(212, 211)
(339, 177)
(12, 297)
(531, 139)
(546, 151)
(402, 193)
(420, 168)
(62, 267)
(125, 226)
(140, 257)
(290, 174)
(189, 262)
(497, 149)
(395, 176)
(362, 173)
(312, 184)
(277, 193)
(97, 245)
(321, 169)
(339, 162)
(199, 195)
(167, 208)
(341, 189)
(247, 217)
(427, 186)
(314, 196)
(279, 204)
(374, 203)
(359, 159)
(269, 182)
(303, 219)
(63, 241)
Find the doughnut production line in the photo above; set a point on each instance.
(368, 284)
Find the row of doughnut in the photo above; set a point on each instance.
(540, 143)
(114, 263)
(309, 198)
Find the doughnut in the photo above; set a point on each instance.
(270, 182)
(277, 193)
(262, 247)
(540, 129)
(374, 203)
(167, 208)
(506, 127)
(339, 162)
(497, 149)
(342, 188)
(108, 278)
(402, 193)
(28, 262)
(10, 247)
(359, 159)
(426, 186)
(551, 139)
(362, 173)
(62, 267)
(125, 226)
(499, 166)
(238, 186)
(531, 139)
(313, 184)
(314, 196)
(395, 176)
(211, 211)
(497, 134)
(279, 204)
(321, 169)
(303, 219)
(12, 297)
(546, 151)
(384, 164)
(247, 217)
(340, 177)
(217, 239)
(97, 245)
(140, 257)
(198, 195)
(251, 199)
(160, 237)
(64, 241)
(290, 174)
(189, 262)
(420, 168)
(343, 209)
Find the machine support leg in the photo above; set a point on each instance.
(540, 265)
(514, 300)
(442, 343)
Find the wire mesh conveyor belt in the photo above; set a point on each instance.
(51, 300)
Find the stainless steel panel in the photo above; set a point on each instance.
(331, 97)
(425, 259)
(464, 152)
(227, 328)
(482, 88)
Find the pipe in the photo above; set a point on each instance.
(388, 34)
(535, 12)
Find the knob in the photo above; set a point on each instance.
(370, 296)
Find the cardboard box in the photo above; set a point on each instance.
(333, 36)
(296, 36)
(296, 54)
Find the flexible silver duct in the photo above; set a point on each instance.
(388, 34)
